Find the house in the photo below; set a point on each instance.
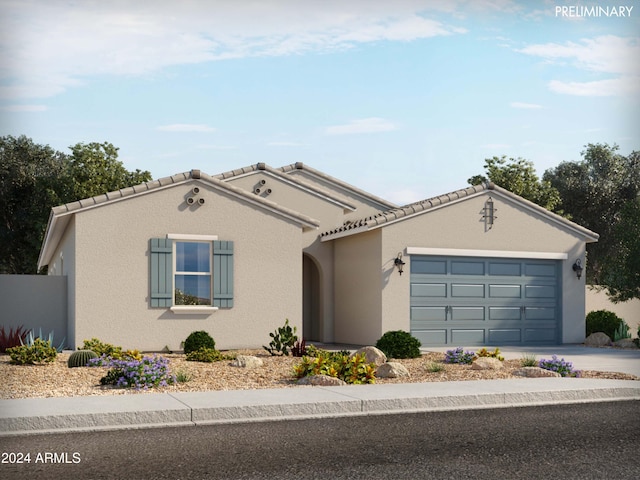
(237, 253)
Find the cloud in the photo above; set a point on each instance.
(607, 54)
(186, 127)
(600, 88)
(24, 108)
(532, 106)
(72, 41)
(363, 125)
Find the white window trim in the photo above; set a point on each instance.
(455, 252)
(187, 309)
(187, 237)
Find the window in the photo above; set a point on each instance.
(192, 279)
(189, 272)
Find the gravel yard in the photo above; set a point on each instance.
(58, 380)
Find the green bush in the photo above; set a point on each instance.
(602, 321)
(208, 355)
(621, 332)
(40, 351)
(483, 352)
(80, 358)
(283, 339)
(351, 369)
(399, 344)
(100, 348)
(197, 340)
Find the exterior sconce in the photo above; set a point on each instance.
(399, 263)
(577, 267)
(489, 214)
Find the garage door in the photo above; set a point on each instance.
(485, 301)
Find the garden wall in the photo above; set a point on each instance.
(628, 311)
(35, 302)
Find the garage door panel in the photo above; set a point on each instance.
(539, 270)
(539, 335)
(431, 267)
(502, 268)
(467, 313)
(467, 291)
(540, 313)
(505, 291)
(433, 290)
(505, 313)
(505, 335)
(467, 336)
(429, 314)
(539, 291)
(431, 337)
(467, 268)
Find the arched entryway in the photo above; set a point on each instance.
(311, 304)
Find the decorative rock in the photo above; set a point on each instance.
(486, 363)
(246, 361)
(535, 372)
(625, 343)
(597, 339)
(392, 370)
(372, 355)
(321, 381)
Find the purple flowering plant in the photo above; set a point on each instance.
(564, 368)
(459, 356)
(141, 374)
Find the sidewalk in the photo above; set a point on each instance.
(57, 415)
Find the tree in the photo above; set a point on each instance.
(519, 177)
(34, 178)
(31, 182)
(621, 273)
(595, 193)
(94, 169)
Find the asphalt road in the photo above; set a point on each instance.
(581, 441)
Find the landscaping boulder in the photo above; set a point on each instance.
(372, 355)
(486, 363)
(392, 370)
(535, 372)
(625, 343)
(246, 361)
(321, 381)
(598, 339)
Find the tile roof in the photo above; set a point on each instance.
(423, 206)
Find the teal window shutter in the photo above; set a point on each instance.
(161, 275)
(222, 274)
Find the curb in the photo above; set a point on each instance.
(62, 415)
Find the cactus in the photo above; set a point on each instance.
(80, 358)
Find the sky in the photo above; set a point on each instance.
(404, 99)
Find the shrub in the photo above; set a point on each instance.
(483, 352)
(208, 355)
(40, 351)
(80, 358)
(529, 361)
(299, 349)
(459, 356)
(29, 339)
(399, 344)
(602, 321)
(435, 367)
(102, 349)
(12, 338)
(197, 340)
(283, 339)
(565, 369)
(621, 332)
(351, 369)
(139, 374)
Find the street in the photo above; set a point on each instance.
(579, 441)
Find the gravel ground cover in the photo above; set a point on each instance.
(58, 380)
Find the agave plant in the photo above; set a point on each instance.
(30, 338)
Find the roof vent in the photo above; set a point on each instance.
(195, 173)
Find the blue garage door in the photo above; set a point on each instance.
(485, 301)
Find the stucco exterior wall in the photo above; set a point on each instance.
(35, 302)
(357, 289)
(112, 270)
(460, 226)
